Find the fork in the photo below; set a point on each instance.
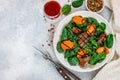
(47, 56)
(61, 68)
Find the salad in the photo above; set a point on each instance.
(84, 41)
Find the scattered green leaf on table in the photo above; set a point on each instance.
(66, 9)
(77, 3)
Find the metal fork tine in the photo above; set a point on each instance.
(48, 54)
(44, 52)
(38, 49)
(45, 56)
(43, 49)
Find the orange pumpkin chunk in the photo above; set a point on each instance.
(67, 44)
(102, 49)
(78, 19)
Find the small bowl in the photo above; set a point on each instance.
(94, 11)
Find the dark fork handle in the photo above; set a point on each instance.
(62, 73)
(69, 72)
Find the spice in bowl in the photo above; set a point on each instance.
(95, 5)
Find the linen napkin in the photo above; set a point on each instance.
(111, 71)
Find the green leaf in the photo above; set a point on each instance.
(64, 34)
(88, 49)
(85, 24)
(77, 3)
(73, 61)
(82, 26)
(109, 41)
(93, 20)
(69, 34)
(69, 53)
(101, 57)
(75, 37)
(79, 26)
(66, 9)
(92, 38)
(102, 26)
(94, 43)
(70, 25)
(59, 49)
(93, 59)
(76, 46)
(97, 58)
(77, 49)
(105, 44)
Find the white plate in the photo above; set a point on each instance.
(58, 32)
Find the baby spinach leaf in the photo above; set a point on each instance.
(64, 34)
(85, 24)
(76, 46)
(79, 26)
(94, 43)
(96, 58)
(75, 37)
(77, 3)
(93, 59)
(102, 26)
(99, 31)
(69, 34)
(101, 57)
(69, 53)
(70, 25)
(82, 26)
(93, 20)
(66, 9)
(88, 49)
(59, 49)
(92, 38)
(109, 41)
(73, 60)
(105, 44)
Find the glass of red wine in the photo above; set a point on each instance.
(52, 10)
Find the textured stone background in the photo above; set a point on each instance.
(22, 25)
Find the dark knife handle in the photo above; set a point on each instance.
(69, 72)
(62, 73)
